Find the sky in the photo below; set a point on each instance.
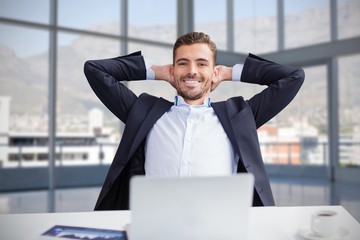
(85, 13)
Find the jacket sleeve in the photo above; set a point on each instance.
(283, 82)
(105, 76)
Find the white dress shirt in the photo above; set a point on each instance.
(189, 140)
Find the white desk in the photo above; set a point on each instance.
(265, 222)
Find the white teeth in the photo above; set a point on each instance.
(191, 81)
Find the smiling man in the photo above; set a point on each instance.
(191, 136)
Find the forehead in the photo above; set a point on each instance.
(194, 51)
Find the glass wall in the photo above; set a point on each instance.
(152, 20)
(348, 18)
(306, 22)
(87, 133)
(255, 26)
(34, 11)
(349, 110)
(90, 15)
(210, 17)
(23, 94)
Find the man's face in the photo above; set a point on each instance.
(193, 72)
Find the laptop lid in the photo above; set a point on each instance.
(191, 208)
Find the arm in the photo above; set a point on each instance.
(104, 77)
(283, 84)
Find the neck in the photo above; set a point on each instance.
(194, 102)
(199, 101)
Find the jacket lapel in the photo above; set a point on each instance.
(145, 112)
(225, 111)
(156, 108)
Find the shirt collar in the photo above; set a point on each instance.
(179, 102)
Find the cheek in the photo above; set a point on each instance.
(178, 74)
(208, 76)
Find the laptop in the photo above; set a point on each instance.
(190, 208)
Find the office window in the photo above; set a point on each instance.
(80, 114)
(210, 18)
(33, 11)
(23, 87)
(349, 110)
(348, 18)
(93, 15)
(298, 135)
(255, 26)
(24, 75)
(152, 20)
(306, 22)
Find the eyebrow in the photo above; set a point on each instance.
(197, 60)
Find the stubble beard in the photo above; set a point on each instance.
(190, 94)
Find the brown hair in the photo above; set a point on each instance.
(195, 37)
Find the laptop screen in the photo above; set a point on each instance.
(190, 208)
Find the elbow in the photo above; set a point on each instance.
(90, 69)
(299, 75)
(87, 67)
(302, 74)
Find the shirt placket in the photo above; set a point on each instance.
(185, 166)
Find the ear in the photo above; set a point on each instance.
(171, 72)
(215, 77)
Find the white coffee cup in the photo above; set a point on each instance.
(325, 223)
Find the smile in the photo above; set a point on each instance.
(191, 82)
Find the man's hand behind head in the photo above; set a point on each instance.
(224, 73)
(164, 73)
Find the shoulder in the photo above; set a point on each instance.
(234, 104)
(150, 100)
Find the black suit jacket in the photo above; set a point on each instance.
(240, 119)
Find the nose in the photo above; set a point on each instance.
(192, 71)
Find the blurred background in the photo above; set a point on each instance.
(57, 139)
